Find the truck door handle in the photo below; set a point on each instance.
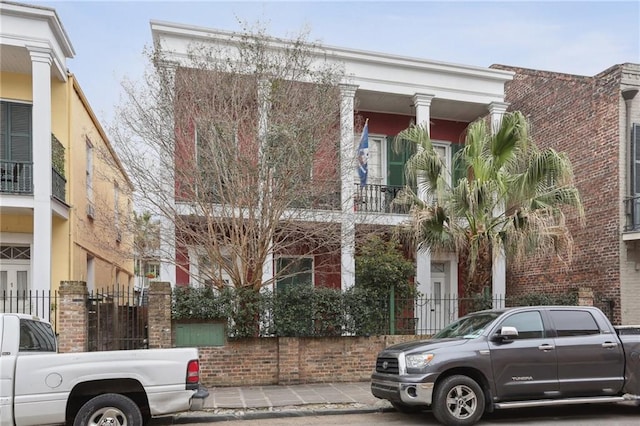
(609, 345)
(546, 347)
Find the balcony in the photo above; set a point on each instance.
(378, 199)
(632, 213)
(16, 177)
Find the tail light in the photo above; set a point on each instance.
(193, 374)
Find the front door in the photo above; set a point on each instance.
(525, 366)
(440, 297)
(14, 279)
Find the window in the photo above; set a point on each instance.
(216, 150)
(293, 271)
(36, 336)
(15, 147)
(212, 274)
(528, 324)
(574, 323)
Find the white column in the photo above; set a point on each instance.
(422, 103)
(169, 262)
(264, 105)
(41, 141)
(499, 264)
(347, 165)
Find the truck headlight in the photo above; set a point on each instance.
(418, 360)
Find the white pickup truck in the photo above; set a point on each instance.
(39, 386)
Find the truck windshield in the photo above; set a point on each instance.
(468, 327)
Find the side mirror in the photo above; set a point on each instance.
(506, 333)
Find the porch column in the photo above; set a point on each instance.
(41, 60)
(422, 103)
(499, 264)
(347, 191)
(264, 106)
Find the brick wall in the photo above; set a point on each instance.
(579, 116)
(271, 361)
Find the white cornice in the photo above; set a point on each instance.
(194, 33)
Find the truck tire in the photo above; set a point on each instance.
(458, 401)
(109, 409)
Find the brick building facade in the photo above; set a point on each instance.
(589, 119)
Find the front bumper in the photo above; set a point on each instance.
(407, 391)
(197, 399)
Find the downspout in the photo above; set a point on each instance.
(69, 172)
(628, 95)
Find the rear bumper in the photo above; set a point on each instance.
(197, 399)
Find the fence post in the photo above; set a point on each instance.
(72, 317)
(159, 315)
(585, 296)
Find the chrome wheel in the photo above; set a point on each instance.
(109, 409)
(458, 401)
(108, 416)
(462, 402)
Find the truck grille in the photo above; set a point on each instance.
(387, 365)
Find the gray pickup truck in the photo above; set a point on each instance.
(511, 358)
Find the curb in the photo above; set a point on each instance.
(203, 417)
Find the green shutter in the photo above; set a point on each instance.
(395, 164)
(396, 161)
(15, 132)
(459, 170)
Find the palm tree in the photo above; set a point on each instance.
(510, 197)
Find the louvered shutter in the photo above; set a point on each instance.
(20, 132)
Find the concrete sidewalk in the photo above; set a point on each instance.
(260, 402)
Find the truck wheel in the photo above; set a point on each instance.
(110, 409)
(458, 401)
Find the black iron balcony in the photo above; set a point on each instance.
(16, 177)
(632, 210)
(378, 199)
(58, 185)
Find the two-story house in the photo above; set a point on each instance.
(596, 121)
(65, 199)
(390, 92)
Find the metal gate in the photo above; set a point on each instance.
(116, 320)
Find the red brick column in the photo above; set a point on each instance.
(288, 360)
(159, 325)
(72, 317)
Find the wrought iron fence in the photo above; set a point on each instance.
(378, 199)
(632, 209)
(116, 320)
(42, 304)
(16, 177)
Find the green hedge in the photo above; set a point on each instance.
(295, 312)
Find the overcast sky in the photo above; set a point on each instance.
(578, 37)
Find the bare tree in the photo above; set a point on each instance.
(237, 145)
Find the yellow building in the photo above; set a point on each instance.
(65, 199)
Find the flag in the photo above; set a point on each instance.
(363, 154)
